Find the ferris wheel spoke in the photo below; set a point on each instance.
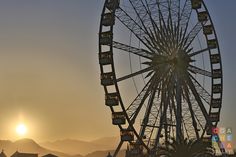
(142, 13)
(145, 18)
(164, 100)
(174, 19)
(174, 7)
(155, 79)
(154, 110)
(148, 112)
(153, 4)
(198, 52)
(201, 90)
(179, 108)
(169, 32)
(134, 74)
(140, 52)
(139, 107)
(139, 100)
(173, 106)
(149, 25)
(160, 32)
(174, 110)
(158, 43)
(132, 25)
(166, 97)
(185, 128)
(197, 70)
(118, 148)
(170, 21)
(185, 16)
(136, 106)
(199, 101)
(162, 23)
(160, 35)
(153, 43)
(194, 122)
(191, 35)
(197, 111)
(171, 119)
(155, 121)
(171, 6)
(151, 9)
(163, 41)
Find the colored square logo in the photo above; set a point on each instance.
(215, 138)
(228, 130)
(222, 137)
(222, 145)
(222, 130)
(229, 137)
(229, 146)
(214, 144)
(215, 131)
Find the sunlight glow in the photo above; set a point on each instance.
(21, 129)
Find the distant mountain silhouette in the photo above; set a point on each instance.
(28, 146)
(63, 148)
(73, 147)
(5, 143)
(109, 141)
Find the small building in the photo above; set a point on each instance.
(2, 154)
(18, 154)
(49, 155)
(109, 155)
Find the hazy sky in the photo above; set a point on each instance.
(49, 73)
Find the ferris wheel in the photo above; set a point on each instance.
(161, 71)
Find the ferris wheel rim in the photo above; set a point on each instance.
(117, 87)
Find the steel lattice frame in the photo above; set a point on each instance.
(175, 104)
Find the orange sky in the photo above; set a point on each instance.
(49, 73)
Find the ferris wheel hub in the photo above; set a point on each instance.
(176, 61)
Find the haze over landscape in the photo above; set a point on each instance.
(62, 148)
(49, 76)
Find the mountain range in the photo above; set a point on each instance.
(27, 146)
(72, 147)
(63, 148)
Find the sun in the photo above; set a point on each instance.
(21, 129)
